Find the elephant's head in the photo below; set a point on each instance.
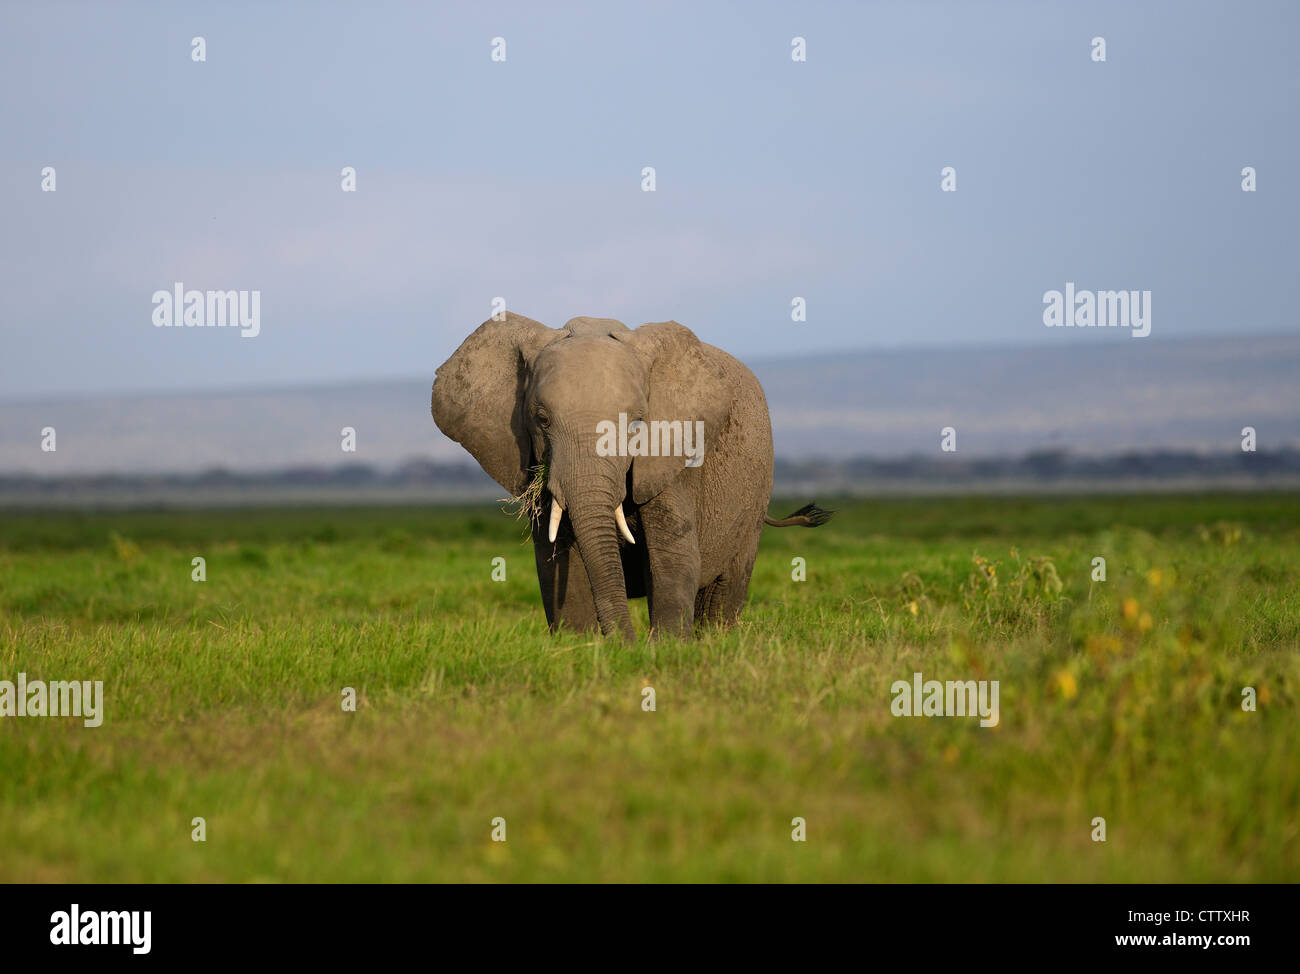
(521, 397)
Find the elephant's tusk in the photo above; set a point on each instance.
(557, 512)
(622, 524)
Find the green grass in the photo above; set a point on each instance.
(1119, 699)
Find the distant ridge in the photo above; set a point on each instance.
(423, 481)
(1100, 398)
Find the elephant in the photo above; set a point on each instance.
(538, 407)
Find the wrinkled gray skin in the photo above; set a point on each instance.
(517, 394)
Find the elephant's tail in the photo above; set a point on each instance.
(808, 516)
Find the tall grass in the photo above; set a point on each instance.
(1119, 700)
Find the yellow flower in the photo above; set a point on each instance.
(912, 607)
(1065, 681)
(1145, 623)
(1154, 577)
(1103, 644)
(1130, 608)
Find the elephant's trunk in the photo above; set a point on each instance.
(590, 487)
(597, 534)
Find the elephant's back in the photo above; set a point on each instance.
(749, 414)
(740, 479)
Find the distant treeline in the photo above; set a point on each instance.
(1049, 467)
(1046, 468)
(410, 473)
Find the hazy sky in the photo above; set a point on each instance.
(522, 179)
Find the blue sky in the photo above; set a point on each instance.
(522, 179)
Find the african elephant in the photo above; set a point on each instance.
(681, 530)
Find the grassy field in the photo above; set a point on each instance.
(1119, 699)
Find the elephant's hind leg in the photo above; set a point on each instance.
(735, 593)
(710, 601)
(719, 602)
(673, 551)
(733, 588)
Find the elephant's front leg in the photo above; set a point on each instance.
(673, 550)
(562, 577)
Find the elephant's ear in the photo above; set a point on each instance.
(685, 384)
(478, 396)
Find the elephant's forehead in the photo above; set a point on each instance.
(587, 360)
(594, 327)
(583, 352)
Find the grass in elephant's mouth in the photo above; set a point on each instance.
(1119, 699)
(527, 506)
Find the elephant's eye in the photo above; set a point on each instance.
(543, 420)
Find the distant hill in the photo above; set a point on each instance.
(424, 481)
(1086, 399)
